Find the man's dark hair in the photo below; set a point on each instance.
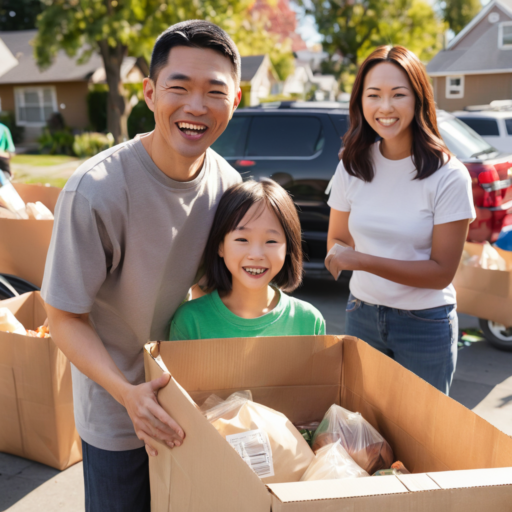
(234, 204)
(193, 34)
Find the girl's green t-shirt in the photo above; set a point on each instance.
(208, 318)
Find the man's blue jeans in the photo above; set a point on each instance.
(423, 341)
(116, 481)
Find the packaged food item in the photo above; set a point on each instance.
(362, 442)
(38, 211)
(7, 214)
(10, 199)
(332, 462)
(9, 323)
(40, 332)
(397, 468)
(267, 441)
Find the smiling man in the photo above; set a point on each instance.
(130, 229)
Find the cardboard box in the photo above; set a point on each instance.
(24, 243)
(36, 399)
(485, 293)
(444, 444)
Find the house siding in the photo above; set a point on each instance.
(71, 94)
(479, 29)
(478, 90)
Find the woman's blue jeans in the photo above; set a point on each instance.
(423, 341)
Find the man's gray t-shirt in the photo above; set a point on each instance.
(126, 246)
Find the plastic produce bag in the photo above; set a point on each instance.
(362, 442)
(9, 323)
(38, 211)
(267, 441)
(490, 258)
(332, 462)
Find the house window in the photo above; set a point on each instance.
(34, 105)
(455, 86)
(505, 35)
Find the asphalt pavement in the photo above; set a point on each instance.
(483, 382)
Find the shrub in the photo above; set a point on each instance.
(141, 120)
(58, 142)
(90, 143)
(9, 120)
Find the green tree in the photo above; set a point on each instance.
(458, 13)
(352, 29)
(117, 28)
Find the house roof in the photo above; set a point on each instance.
(250, 66)
(63, 69)
(484, 56)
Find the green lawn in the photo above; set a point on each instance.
(42, 160)
(53, 182)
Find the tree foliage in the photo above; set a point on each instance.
(352, 29)
(458, 13)
(117, 28)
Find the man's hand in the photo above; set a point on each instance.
(148, 417)
(342, 258)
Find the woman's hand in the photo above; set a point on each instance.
(342, 257)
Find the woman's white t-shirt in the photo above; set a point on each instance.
(394, 215)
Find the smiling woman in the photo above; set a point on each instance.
(400, 209)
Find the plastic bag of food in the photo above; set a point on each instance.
(491, 259)
(332, 462)
(38, 211)
(267, 441)
(40, 332)
(362, 442)
(9, 323)
(397, 468)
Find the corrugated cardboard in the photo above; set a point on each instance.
(24, 243)
(435, 437)
(485, 293)
(36, 400)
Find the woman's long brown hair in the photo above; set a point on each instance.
(428, 149)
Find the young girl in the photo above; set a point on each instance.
(400, 208)
(254, 252)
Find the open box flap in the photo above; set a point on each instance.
(473, 478)
(208, 471)
(335, 489)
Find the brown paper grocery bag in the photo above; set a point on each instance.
(36, 399)
(24, 243)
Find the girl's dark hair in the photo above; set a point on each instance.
(428, 148)
(193, 34)
(234, 204)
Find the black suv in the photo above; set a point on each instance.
(296, 144)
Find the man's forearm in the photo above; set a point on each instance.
(82, 346)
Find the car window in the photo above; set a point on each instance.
(482, 126)
(463, 141)
(232, 141)
(341, 124)
(508, 123)
(285, 136)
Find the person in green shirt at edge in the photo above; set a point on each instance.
(6, 149)
(253, 255)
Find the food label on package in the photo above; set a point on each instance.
(254, 447)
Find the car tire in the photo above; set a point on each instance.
(496, 334)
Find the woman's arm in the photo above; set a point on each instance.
(436, 273)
